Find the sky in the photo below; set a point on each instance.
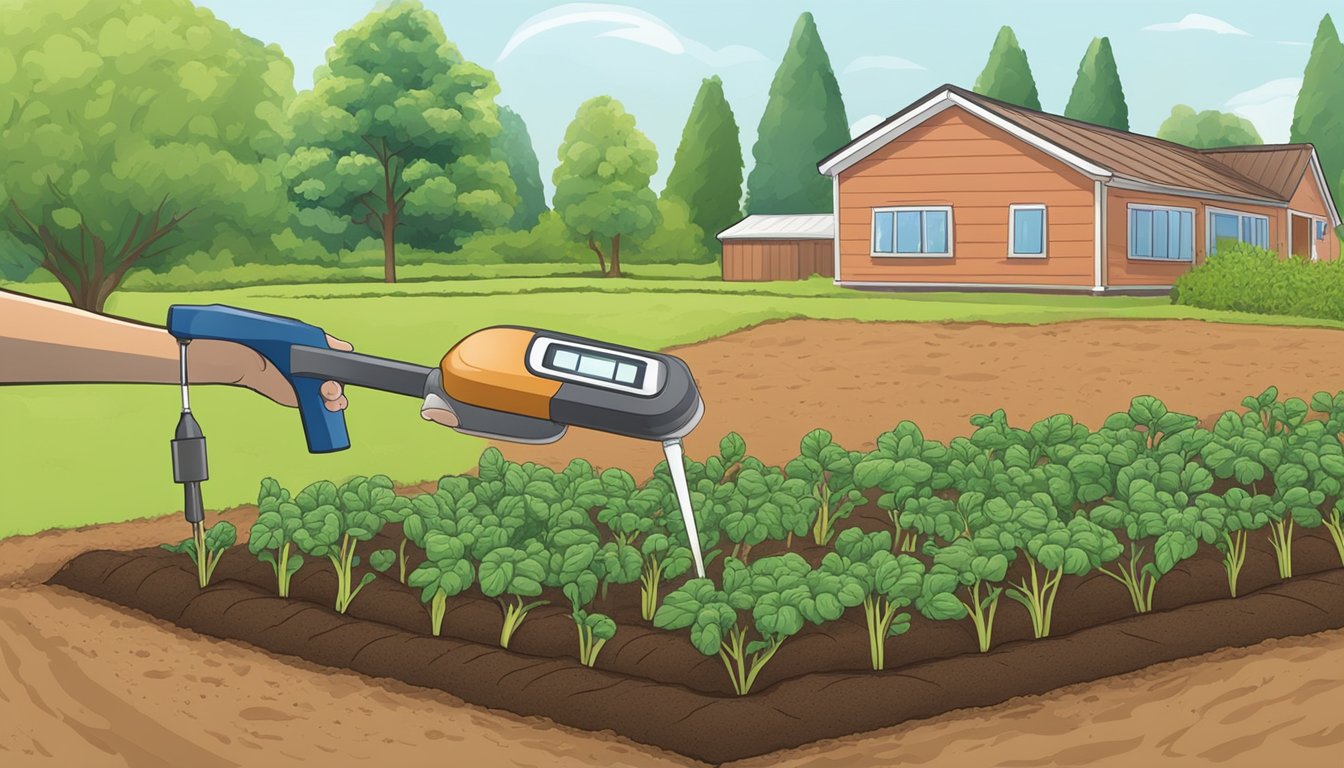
(1244, 56)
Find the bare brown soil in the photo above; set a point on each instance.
(88, 684)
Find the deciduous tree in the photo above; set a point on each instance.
(398, 134)
(515, 146)
(602, 182)
(131, 130)
(1207, 129)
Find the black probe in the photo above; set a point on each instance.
(189, 463)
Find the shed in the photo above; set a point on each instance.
(779, 247)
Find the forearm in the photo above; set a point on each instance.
(47, 342)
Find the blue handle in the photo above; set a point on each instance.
(271, 337)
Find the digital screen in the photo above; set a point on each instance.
(596, 366)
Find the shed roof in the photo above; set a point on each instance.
(1262, 173)
(801, 226)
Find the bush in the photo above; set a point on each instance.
(1244, 278)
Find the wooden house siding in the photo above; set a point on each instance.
(760, 260)
(955, 159)
(1308, 199)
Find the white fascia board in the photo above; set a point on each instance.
(835, 227)
(936, 104)
(1319, 173)
(1121, 182)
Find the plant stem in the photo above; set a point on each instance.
(649, 580)
(1039, 597)
(1334, 522)
(437, 604)
(878, 614)
(1234, 558)
(821, 529)
(198, 540)
(282, 573)
(513, 617)
(980, 616)
(401, 560)
(1281, 536)
(1139, 583)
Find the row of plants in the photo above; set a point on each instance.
(1005, 511)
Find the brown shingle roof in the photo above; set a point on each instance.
(1276, 166)
(1268, 173)
(1138, 157)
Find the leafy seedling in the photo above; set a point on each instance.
(271, 538)
(888, 583)
(206, 548)
(446, 572)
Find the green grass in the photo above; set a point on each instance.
(80, 454)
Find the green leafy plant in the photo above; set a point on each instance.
(781, 593)
(271, 538)
(205, 548)
(511, 575)
(446, 572)
(1292, 506)
(889, 583)
(766, 505)
(974, 566)
(903, 466)
(1241, 512)
(828, 471)
(579, 582)
(335, 521)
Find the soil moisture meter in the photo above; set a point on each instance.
(517, 384)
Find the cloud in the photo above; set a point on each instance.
(630, 24)
(1270, 107)
(864, 124)
(1198, 22)
(1294, 43)
(864, 63)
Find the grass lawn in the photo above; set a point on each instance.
(81, 454)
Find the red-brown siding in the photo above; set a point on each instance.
(959, 160)
(757, 260)
(1308, 199)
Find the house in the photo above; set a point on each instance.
(959, 191)
(790, 247)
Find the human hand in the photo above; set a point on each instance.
(246, 368)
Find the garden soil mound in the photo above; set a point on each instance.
(645, 690)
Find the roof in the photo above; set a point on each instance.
(1263, 174)
(803, 226)
(1278, 167)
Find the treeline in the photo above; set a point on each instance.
(153, 135)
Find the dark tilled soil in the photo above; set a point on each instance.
(654, 688)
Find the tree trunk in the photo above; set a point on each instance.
(389, 227)
(390, 247)
(601, 263)
(615, 270)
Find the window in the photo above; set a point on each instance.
(1026, 231)
(1229, 227)
(912, 231)
(1161, 234)
(1320, 230)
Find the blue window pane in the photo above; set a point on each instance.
(908, 228)
(1160, 235)
(1320, 231)
(1141, 233)
(1187, 249)
(1262, 233)
(1175, 250)
(1224, 230)
(1029, 231)
(882, 226)
(935, 231)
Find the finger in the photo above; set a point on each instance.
(440, 416)
(337, 405)
(343, 346)
(331, 390)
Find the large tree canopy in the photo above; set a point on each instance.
(706, 174)
(1007, 74)
(1098, 97)
(804, 121)
(1209, 129)
(398, 134)
(515, 146)
(602, 182)
(128, 129)
(1318, 116)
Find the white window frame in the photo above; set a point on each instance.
(1129, 246)
(1012, 230)
(872, 240)
(1210, 211)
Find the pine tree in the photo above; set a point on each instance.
(804, 121)
(1098, 97)
(1007, 74)
(515, 147)
(1318, 117)
(707, 170)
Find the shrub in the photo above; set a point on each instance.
(1244, 278)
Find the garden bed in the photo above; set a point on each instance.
(654, 688)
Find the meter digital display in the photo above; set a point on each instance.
(594, 366)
